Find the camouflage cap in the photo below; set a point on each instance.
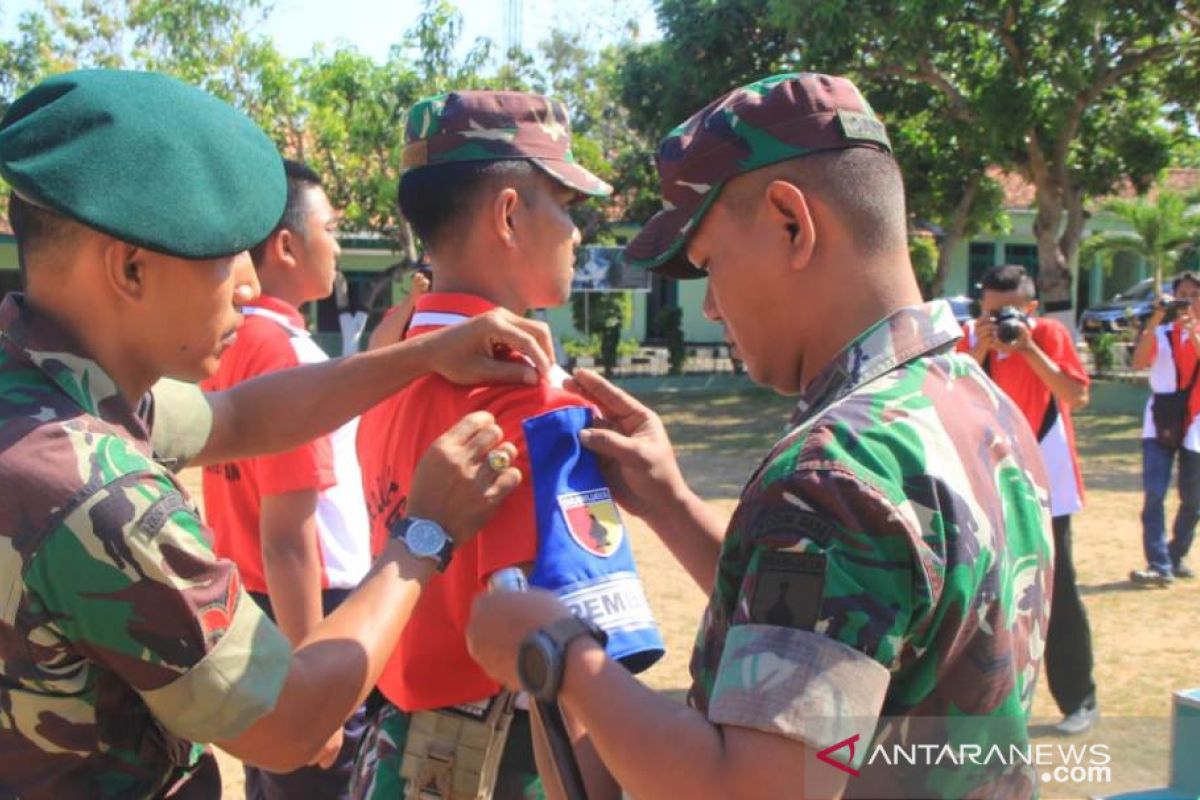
(771, 120)
(496, 126)
(145, 158)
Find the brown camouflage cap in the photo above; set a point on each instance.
(496, 126)
(771, 120)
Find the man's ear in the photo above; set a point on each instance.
(788, 211)
(125, 269)
(1031, 308)
(504, 207)
(281, 248)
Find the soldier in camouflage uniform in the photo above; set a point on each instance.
(125, 644)
(884, 580)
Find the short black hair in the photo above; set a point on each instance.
(35, 227)
(1008, 278)
(300, 177)
(1186, 275)
(863, 186)
(432, 198)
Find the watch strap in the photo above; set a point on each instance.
(566, 630)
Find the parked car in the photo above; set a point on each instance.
(1127, 310)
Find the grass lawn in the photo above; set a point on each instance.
(1143, 640)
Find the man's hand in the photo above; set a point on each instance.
(453, 483)
(985, 337)
(466, 353)
(1022, 344)
(329, 752)
(636, 454)
(500, 621)
(418, 285)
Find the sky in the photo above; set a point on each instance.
(373, 25)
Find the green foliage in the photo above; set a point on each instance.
(1166, 230)
(923, 252)
(582, 347)
(1070, 95)
(670, 322)
(607, 313)
(1104, 351)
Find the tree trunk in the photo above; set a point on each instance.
(955, 234)
(1054, 274)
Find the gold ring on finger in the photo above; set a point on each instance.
(499, 460)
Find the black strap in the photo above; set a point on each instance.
(1050, 415)
(1175, 363)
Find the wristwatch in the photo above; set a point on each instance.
(424, 538)
(542, 658)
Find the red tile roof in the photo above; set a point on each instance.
(1020, 194)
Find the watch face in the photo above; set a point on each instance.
(425, 538)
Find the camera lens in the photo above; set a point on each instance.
(1008, 331)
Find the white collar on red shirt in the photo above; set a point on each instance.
(278, 311)
(443, 309)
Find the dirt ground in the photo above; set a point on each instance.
(1144, 640)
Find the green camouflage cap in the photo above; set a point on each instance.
(496, 126)
(145, 158)
(771, 120)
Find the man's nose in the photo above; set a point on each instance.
(245, 279)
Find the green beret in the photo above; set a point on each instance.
(147, 159)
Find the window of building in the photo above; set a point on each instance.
(1024, 254)
(981, 256)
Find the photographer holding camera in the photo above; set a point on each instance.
(1035, 362)
(1168, 348)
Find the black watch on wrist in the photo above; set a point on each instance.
(424, 538)
(542, 658)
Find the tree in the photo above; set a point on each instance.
(947, 186)
(1166, 230)
(727, 43)
(1068, 94)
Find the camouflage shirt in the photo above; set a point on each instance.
(887, 571)
(122, 639)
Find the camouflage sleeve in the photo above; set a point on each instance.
(181, 424)
(128, 578)
(828, 596)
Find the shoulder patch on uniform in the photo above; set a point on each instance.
(593, 520)
(788, 589)
(157, 515)
(217, 615)
(777, 520)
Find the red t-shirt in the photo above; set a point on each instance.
(431, 667)
(1050, 421)
(233, 491)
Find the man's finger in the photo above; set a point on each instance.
(529, 337)
(505, 482)
(467, 427)
(611, 399)
(607, 443)
(506, 453)
(483, 440)
(490, 370)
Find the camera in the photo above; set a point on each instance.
(1174, 304)
(1009, 321)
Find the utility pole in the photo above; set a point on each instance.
(513, 25)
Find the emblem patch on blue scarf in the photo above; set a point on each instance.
(593, 520)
